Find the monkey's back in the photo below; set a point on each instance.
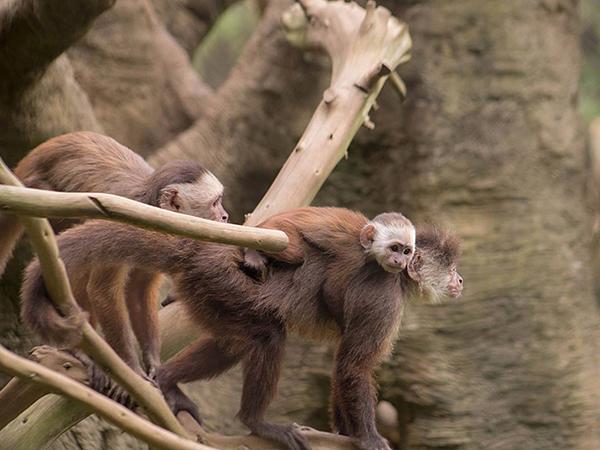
(83, 162)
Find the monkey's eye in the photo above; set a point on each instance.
(407, 251)
(395, 248)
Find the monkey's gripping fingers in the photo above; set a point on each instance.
(254, 264)
(287, 435)
(102, 383)
(178, 401)
(373, 443)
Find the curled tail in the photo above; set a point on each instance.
(40, 315)
(10, 232)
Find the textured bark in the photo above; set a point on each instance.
(142, 87)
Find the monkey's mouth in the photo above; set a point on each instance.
(393, 268)
(455, 292)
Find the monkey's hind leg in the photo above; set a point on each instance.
(106, 295)
(262, 367)
(142, 303)
(201, 360)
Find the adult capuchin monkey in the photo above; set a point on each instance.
(91, 162)
(349, 286)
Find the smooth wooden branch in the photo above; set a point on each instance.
(41, 203)
(365, 47)
(19, 394)
(108, 409)
(55, 278)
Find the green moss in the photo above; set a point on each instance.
(220, 49)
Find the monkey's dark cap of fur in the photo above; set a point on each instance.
(174, 172)
(445, 244)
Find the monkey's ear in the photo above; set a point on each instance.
(367, 236)
(414, 265)
(169, 199)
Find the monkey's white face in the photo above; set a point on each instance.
(393, 245)
(201, 199)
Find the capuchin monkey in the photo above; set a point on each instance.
(341, 281)
(91, 162)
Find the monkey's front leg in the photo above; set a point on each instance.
(355, 391)
(262, 366)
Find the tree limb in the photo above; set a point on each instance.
(365, 46)
(108, 409)
(41, 203)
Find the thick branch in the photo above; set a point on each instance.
(108, 409)
(365, 46)
(40, 203)
(57, 283)
(33, 33)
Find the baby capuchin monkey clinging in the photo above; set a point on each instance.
(91, 162)
(342, 279)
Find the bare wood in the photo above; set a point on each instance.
(57, 283)
(319, 440)
(19, 394)
(41, 203)
(365, 46)
(108, 409)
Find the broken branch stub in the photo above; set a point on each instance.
(365, 46)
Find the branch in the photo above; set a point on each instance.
(40, 203)
(56, 281)
(365, 47)
(33, 33)
(108, 409)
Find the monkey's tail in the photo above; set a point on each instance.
(10, 232)
(40, 315)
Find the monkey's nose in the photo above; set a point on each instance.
(225, 218)
(460, 280)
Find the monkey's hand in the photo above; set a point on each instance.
(178, 401)
(373, 443)
(255, 264)
(287, 435)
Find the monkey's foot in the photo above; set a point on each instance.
(373, 443)
(254, 264)
(178, 401)
(287, 435)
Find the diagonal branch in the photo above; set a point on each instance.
(108, 409)
(365, 46)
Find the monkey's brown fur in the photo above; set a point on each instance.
(87, 162)
(337, 292)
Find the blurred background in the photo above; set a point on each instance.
(496, 140)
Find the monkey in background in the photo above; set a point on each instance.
(350, 287)
(91, 162)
